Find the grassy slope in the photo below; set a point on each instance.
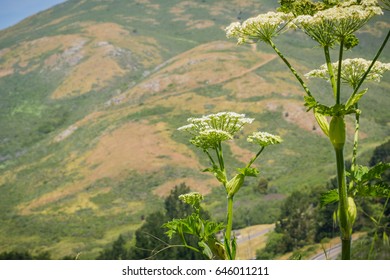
(92, 94)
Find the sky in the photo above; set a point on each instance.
(13, 11)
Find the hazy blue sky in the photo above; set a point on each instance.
(13, 11)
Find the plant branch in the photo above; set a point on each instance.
(291, 68)
(330, 70)
(338, 92)
(372, 63)
(255, 157)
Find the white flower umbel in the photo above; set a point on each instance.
(261, 28)
(208, 131)
(329, 25)
(352, 71)
(264, 138)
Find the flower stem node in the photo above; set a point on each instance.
(337, 132)
(234, 185)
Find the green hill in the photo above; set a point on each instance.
(91, 95)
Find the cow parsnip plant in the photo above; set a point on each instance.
(332, 24)
(208, 133)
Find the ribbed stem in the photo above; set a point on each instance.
(330, 70)
(229, 224)
(338, 92)
(345, 225)
(291, 68)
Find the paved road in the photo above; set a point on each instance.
(331, 253)
(252, 235)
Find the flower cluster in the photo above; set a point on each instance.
(261, 28)
(208, 131)
(264, 138)
(193, 198)
(329, 25)
(352, 71)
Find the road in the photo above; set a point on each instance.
(333, 252)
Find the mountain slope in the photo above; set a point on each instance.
(92, 93)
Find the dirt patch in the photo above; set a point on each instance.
(94, 73)
(23, 54)
(241, 154)
(209, 64)
(199, 24)
(138, 146)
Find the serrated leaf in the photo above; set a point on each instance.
(310, 102)
(218, 173)
(329, 197)
(206, 249)
(376, 190)
(353, 99)
(248, 171)
(322, 122)
(375, 172)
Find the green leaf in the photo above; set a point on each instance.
(322, 122)
(375, 172)
(310, 102)
(234, 185)
(385, 239)
(234, 248)
(206, 250)
(248, 171)
(228, 249)
(218, 173)
(329, 197)
(377, 190)
(353, 99)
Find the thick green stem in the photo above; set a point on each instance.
(229, 224)
(330, 70)
(344, 221)
(338, 92)
(291, 68)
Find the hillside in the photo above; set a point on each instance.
(92, 93)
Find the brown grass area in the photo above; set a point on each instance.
(202, 186)
(134, 146)
(241, 154)
(94, 73)
(56, 21)
(101, 66)
(138, 146)
(209, 64)
(22, 54)
(199, 24)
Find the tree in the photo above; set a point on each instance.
(117, 252)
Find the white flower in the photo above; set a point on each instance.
(329, 25)
(260, 28)
(208, 131)
(264, 138)
(352, 71)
